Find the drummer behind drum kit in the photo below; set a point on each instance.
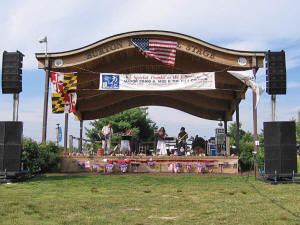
(191, 148)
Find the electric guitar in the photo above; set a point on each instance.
(182, 138)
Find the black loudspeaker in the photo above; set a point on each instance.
(11, 135)
(12, 63)
(280, 147)
(276, 73)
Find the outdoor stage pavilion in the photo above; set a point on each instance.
(117, 54)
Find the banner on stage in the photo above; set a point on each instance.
(157, 82)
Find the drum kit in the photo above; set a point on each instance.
(125, 148)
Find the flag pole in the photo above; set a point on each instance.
(46, 90)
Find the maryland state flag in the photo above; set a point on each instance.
(70, 82)
(57, 82)
(58, 102)
(63, 92)
(70, 102)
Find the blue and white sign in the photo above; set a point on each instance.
(58, 134)
(157, 82)
(110, 81)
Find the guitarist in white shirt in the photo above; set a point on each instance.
(107, 132)
(181, 141)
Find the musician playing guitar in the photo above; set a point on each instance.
(181, 141)
(107, 132)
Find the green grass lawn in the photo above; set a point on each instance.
(138, 199)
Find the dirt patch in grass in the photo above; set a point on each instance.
(163, 217)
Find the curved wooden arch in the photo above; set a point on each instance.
(121, 45)
(116, 54)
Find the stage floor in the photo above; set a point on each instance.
(151, 164)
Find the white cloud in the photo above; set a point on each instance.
(293, 57)
(73, 24)
(293, 84)
(69, 24)
(27, 21)
(247, 45)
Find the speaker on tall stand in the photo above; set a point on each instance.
(11, 132)
(12, 63)
(275, 77)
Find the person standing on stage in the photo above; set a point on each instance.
(107, 132)
(161, 143)
(181, 141)
(125, 142)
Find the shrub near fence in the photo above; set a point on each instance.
(40, 158)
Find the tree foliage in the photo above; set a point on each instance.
(246, 149)
(40, 157)
(135, 119)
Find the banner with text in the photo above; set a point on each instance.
(157, 82)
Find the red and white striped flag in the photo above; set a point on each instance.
(163, 50)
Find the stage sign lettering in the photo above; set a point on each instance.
(185, 46)
(163, 82)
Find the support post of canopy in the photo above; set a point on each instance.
(70, 144)
(254, 122)
(237, 131)
(254, 114)
(66, 133)
(225, 126)
(80, 136)
(46, 93)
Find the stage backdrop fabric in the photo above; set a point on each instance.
(157, 82)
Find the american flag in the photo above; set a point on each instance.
(163, 50)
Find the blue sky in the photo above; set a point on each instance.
(69, 24)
